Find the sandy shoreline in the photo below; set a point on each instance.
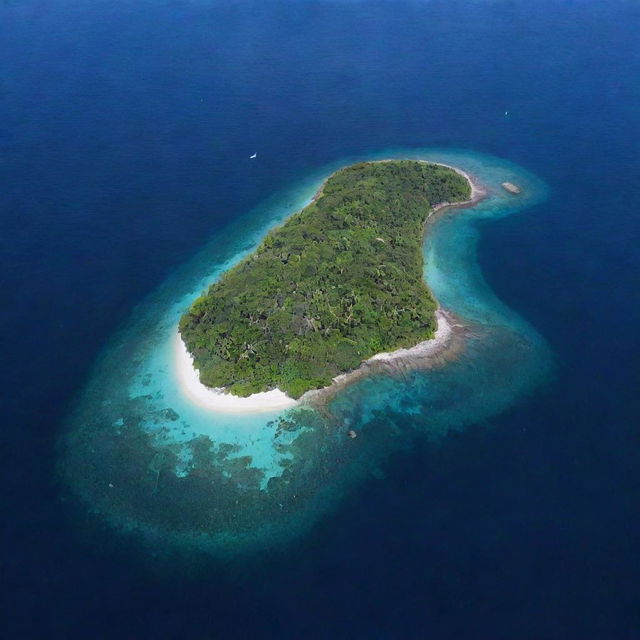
(423, 355)
(445, 342)
(478, 192)
(216, 399)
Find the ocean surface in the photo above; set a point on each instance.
(493, 496)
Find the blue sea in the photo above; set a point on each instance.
(494, 496)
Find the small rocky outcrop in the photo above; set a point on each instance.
(511, 188)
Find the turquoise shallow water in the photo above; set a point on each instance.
(144, 458)
(126, 133)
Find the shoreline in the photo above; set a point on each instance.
(445, 344)
(216, 399)
(478, 191)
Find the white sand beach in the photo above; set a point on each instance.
(217, 399)
(275, 400)
(422, 349)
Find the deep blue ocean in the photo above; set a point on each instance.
(125, 135)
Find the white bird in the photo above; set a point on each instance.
(255, 155)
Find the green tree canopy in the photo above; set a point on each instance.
(338, 282)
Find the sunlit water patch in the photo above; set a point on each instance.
(144, 458)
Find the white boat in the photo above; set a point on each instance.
(255, 155)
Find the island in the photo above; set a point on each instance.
(339, 283)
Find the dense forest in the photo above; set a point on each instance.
(340, 281)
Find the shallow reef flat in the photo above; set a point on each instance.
(141, 456)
